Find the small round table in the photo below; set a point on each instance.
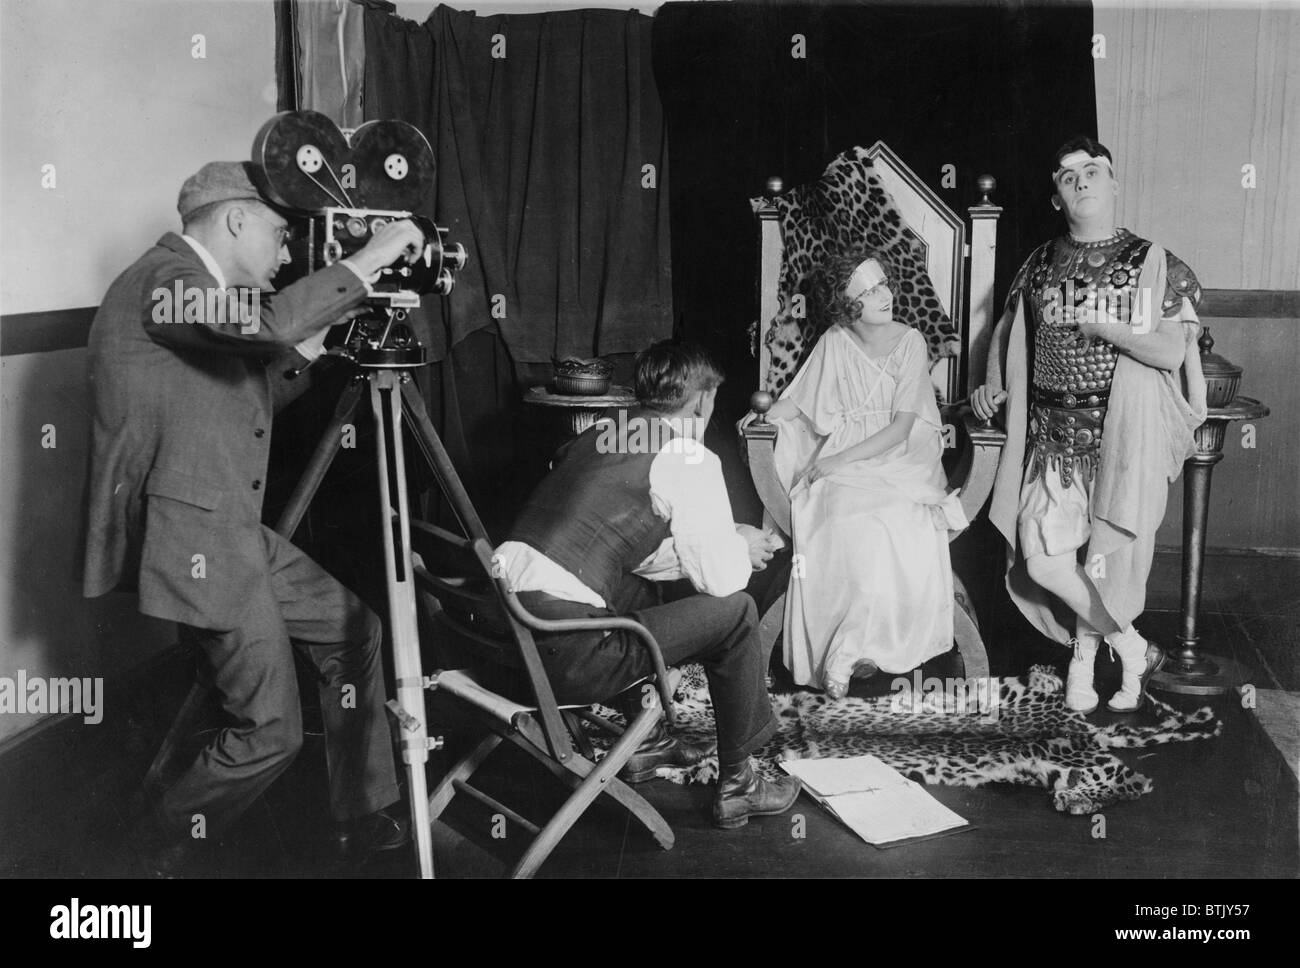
(1190, 671)
(580, 412)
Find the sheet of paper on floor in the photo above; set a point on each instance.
(873, 799)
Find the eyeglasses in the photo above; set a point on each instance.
(284, 232)
(873, 291)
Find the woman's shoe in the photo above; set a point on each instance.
(836, 688)
(864, 669)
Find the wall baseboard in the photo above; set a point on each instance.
(66, 329)
(44, 332)
(69, 329)
(1249, 304)
(147, 670)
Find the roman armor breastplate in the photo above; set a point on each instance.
(1071, 372)
(1070, 280)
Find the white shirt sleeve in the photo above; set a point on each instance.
(525, 569)
(313, 347)
(687, 489)
(661, 564)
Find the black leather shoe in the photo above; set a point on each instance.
(151, 853)
(387, 829)
(743, 794)
(662, 748)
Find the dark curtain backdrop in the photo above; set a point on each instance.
(992, 87)
(541, 157)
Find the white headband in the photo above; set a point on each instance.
(1078, 157)
(863, 278)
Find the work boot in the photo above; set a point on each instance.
(1140, 660)
(742, 794)
(1080, 697)
(662, 748)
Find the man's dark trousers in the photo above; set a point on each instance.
(719, 633)
(252, 667)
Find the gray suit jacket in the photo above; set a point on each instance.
(181, 433)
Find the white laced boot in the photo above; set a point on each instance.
(1139, 660)
(1080, 697)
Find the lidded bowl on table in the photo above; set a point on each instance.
(582, 377)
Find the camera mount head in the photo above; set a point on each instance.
(346, 186)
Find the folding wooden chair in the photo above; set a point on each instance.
(475, 613)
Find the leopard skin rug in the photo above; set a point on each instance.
(848, 207)
(958, 738)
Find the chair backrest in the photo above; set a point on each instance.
(476, 608)
(458, 571)
(949, 244)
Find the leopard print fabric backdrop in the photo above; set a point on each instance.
(1025, 737)
(848, 207)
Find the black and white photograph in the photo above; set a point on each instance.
(684, 441)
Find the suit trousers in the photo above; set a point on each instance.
(252, 669)
(719, 633)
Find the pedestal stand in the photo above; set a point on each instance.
(1189, 670)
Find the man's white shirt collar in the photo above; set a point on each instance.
(209, 263)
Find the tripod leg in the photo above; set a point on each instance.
(396, 527)
(320, 461)
(435, 455)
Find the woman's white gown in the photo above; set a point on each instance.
(871, 577)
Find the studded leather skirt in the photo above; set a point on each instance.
(1065, 434)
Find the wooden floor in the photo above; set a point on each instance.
(1226, 807)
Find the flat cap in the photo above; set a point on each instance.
(218, 181)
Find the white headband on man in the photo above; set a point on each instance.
(1078, 157)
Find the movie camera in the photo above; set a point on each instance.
(341, 187)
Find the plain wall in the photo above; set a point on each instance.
(1186, 95)
(109, 93)
(1253, 490)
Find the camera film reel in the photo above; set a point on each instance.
(309, 164)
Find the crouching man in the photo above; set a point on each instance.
(640, 497)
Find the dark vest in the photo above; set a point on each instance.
(591, 514)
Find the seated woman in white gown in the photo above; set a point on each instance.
(860, 448)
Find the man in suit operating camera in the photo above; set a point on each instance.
(182, 354)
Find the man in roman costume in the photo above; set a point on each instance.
(1087, 357)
